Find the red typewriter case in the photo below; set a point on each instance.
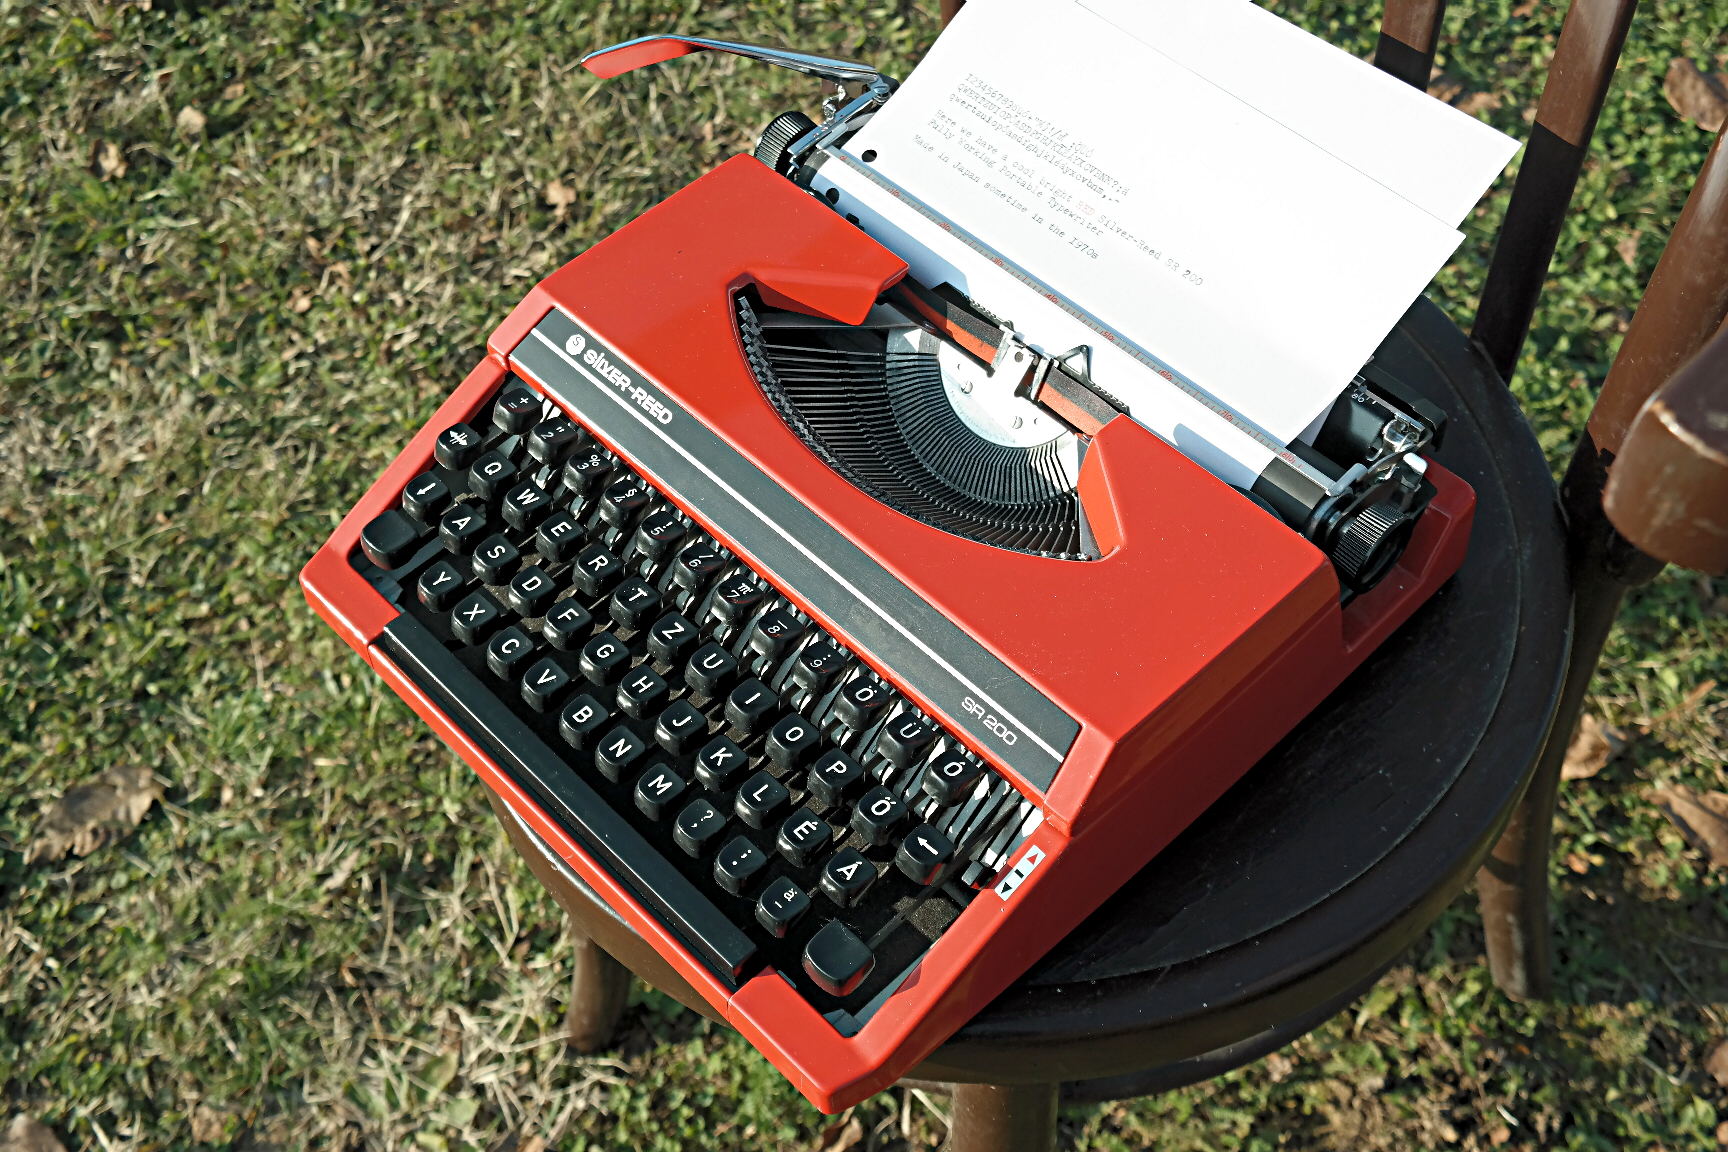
(849, 712)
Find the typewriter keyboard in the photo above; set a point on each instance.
(740, 771)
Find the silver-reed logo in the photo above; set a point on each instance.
(576, 347)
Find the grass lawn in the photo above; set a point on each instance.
(220, 324)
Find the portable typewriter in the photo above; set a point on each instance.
(848, 646)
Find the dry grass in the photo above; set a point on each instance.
(320, 939)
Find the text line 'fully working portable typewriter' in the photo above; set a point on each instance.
(849, 640)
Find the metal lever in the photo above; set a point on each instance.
(643, 51)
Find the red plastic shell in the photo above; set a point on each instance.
(1204, 634)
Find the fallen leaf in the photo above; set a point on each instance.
(1525, 9)
(28, 1134)
(1593, 745)
(1702, 819)
(1279, 1067)
(560, 196)
(1700, 97)
(234, 91)
(844, 1135)
(1500, 1135)
(95, 812)
(299, 301)
(1450, 91)
(107, 161)
(1577, 862)
(1444, 88)
(208, 1125)
(1717, 1063)
(1722, 1134)
(190, 122)
(1628, 250)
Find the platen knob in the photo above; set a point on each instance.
(1369, 542)
(775, 146)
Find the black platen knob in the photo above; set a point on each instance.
(774, 148)
(1369, 541)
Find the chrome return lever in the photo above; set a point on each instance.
(639, 53)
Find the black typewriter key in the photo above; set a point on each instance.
(463, 527)
(596, 570)
(792, 742)
(775, 632)
(860, 702)
(924, 855)
(426, 498)
(551, 440)
(711, 668)
(847, 877)
(604, 658)
(507, 653)
(623, 501)
(835, 778)
(738, 865)
(697, 826)
(816, 665)
(642, 693)
(585, 473)
(780, 907)
(951, 777)
(749, 705)
(658, 790)
(878, 814)
(476, 617)
(531, 591)
(439, 585)
(491, 474)
(617, 751)
(697, 565)
(735, 599)
(457, 446)
(904, 740)
(659, 533)
(526, 505)
(634, 603)
(837, 960)
(671, 639)
(544, 683)
(566, 623)
(495, 558)
(719, 763)
(516, 411)
(803, 837)
(679, 727)
(389, 540)
(580, 719)
(761, 799)
(557, 537)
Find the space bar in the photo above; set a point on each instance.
(620, 848)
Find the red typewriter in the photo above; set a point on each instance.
(850, 701)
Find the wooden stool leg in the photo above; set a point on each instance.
(992, 1118)
(599, 990)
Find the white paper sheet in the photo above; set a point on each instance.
(1253, 261)
(1427, 151)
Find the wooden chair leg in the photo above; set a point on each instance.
(599, 991)
(993, 1118)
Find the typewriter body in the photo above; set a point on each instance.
(850, 703)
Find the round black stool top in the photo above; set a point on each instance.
(1304, 882)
